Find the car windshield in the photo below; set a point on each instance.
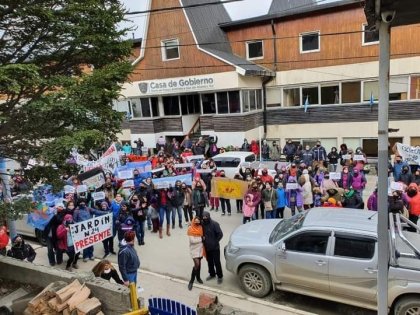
(287, 226)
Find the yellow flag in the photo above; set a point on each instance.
(228, 188)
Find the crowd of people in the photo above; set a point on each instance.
(311, 178)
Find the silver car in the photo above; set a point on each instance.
(328, 253)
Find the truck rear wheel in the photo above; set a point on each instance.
(255, 280)
(409, 305)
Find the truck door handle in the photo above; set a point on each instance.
(371, 270)
(321, 262)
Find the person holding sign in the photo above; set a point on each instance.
(66, 244)
(83, 213)
(139, 207)
(294, 198)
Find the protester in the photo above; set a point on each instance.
(195, 234)
(105, 270)
(83, 213)
(55, 255)
(65, 242)
(4, 240)
(414, 204)
(139, 208)
(269, 197)
(128, 260)
(212, 236)
(225, 203)
(333, 157)
(198, 199)
(320, 154)
(352, 199)
(20, 250)
(289, 151)
(281, 201)
(372, 203)
(248, 208)
(176, 199)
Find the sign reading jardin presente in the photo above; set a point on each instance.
(90, 232)
(178, 84)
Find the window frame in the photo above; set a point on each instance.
(254, 42)
(326, 234)
(164, 48)
(364, 43)
(301, 35)
(351, 237)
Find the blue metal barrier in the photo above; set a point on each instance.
(161, 306)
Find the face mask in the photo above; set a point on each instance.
(206, 220)
(264, 173)
(405, 171)
(356, 174)
(268, 187)
(411, 192)
(307, 148)
(70, 207)
(318, 145)
(107, 271)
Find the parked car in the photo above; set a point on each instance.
(23, 228)
(327, 253)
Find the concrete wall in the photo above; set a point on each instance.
(115, 298)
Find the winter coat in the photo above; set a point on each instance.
(397, 169)
(414, 204)
(82, 214)
(345, 181)
(248, 210)
(281, 198)
(406, 178)
(307, 157)
(212, 235)
(22, 251)
(255, 148)
(62, 237)
(319, 153)
(270, 195)
(353, 200)
(176, 197)
(333, 157)
(372, 203)
(294, 197)
(115, 208)
(198, 198)
(308, 197)
(395, 205)
(256, 197)
(358, 182)
(245, 147)
(128, 260)
(289, 149)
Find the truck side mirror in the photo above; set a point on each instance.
(282, 247)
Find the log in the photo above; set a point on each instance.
(66, 311)
(53, 303)
(78, 298)
(47, 293)
(89, 307)
(66, 293)
(100, 313)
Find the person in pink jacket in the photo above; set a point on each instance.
(248, 208)
(65, 242)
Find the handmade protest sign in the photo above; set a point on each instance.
(291, 186)
(346, 156)
(90, 232)
(100, 195)
(126, 174)
(335, 176)
(397, 186)
(69, 189)
(358, 157)
(81, 189)
(228, 188)
(94, 177)
(411, 155)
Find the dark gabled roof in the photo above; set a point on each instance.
(278, 6)
(204, 21)
(290, 13)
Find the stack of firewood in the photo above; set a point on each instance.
(57, 298)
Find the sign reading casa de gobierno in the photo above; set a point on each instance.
(177, 85)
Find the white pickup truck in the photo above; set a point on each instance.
(329, 253)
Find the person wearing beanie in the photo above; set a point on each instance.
(55, 255)
(128, 260)
(20, 250)
(211, 240)
(195, 234)
(109, 242)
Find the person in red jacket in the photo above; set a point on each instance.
(4, 240)
(265, 177)
(65, 242)
(414, 204)
(255, 148)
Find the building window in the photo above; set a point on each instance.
(170, 49)
(369, 37)
(154, 103)
(209, 103)
(273, 97)
(330, 94)
(350, 92)
(245, 101)
(171, 105)
(254, 50)
(309, 42)
(222, 103)
(291, 97)
(234, 102)
(145, 107)
(258, 95)
(310, 94)
(370, 88)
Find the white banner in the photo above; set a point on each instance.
(358, 157)
(109, 161)
(335, 176)
(100, 195)
(411, 155)
(69, 189)
(97, 181)
(291, 186)
(184, 165)
(90, 232)
(125, 174)
(81, 189)
(346, 156)
(128, 183)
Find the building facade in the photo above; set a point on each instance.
(303, 71)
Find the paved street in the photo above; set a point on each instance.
(166, 266)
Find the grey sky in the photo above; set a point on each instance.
(240, 10)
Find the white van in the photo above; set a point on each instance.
(230, 162)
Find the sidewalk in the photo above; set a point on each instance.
(158, 285)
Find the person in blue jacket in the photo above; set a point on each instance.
(83, 213)
(128, 260)
(281, 201)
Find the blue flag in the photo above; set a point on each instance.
(371, 100)
(306, 104)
